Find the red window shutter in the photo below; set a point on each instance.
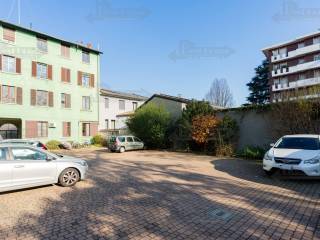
(34, 69)
(63, 74)
(18, 65)
(91, 80)
(79, 78)
(64, 129)
(68, 101)
(31, 129)
(33, 99)
(19, 95)
(50, 99)
(68, 75)
(93, 129)
(50, 72)
(0, 62)
(62, 50)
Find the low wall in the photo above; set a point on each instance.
(255, 127)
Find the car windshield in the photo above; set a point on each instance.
(299, 143)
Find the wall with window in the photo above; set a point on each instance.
(44, 77)
(111, 106)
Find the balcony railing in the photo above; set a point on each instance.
(296, 84)
(297, 52)
(296, 68)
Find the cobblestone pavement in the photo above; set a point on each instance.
(163, 195)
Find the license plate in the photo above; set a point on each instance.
(286, 167)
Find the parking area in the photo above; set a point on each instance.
(165, 195)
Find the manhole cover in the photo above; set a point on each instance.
(221, 214)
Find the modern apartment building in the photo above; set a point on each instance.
(295, 67)
(116, 107)
(49, 87)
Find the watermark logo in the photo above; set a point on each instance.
(189, 50)
(22, 52)
(105, 11)
(292, 11)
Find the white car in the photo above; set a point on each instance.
(295, 154)
(25, 166)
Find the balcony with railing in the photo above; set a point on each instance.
(297, 68)
(296, 84)
(299, 51)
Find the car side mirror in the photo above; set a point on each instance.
(271, 144)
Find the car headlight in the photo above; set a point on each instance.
(314, 160)
(267, 156)
(83, 163)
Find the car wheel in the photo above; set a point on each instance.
(122, 150)
(69, 177)
(269, 173)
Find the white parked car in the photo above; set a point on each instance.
(294, 153)
(24, 166)
(34, 143)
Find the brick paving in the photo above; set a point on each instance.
(163, 195)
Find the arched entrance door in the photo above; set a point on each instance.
(9, 131)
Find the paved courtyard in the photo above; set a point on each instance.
(163, 195)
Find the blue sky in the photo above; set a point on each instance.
(139, 36)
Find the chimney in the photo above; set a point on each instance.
(89, 45)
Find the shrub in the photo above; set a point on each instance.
(98, 140)
(251, 152)
(150, 123)
(224, 150)
(53, 145)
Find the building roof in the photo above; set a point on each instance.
(131, 96)
(296, 40)
(168, 97)
(41, 34)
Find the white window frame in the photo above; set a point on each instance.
(106, 103)
(42, 129)
(42, 102)
(134, 105)
(85, 57)
(85, 80)
(42, 70)
(316, 40)
(113, 124)
(86, 103)
(106, 123)
(42, 44)
(8, 64)
(85, 129)
(8, 94)
(120, 105)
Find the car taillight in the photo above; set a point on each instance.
(44, 147)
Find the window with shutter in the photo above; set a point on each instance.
(65, 51)
(8, 94)
(8, 64)
(8, 34)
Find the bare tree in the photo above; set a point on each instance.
(220, 93)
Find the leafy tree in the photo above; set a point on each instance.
(259, 85)
(150, 123)
(196, 108)
(202, 128)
